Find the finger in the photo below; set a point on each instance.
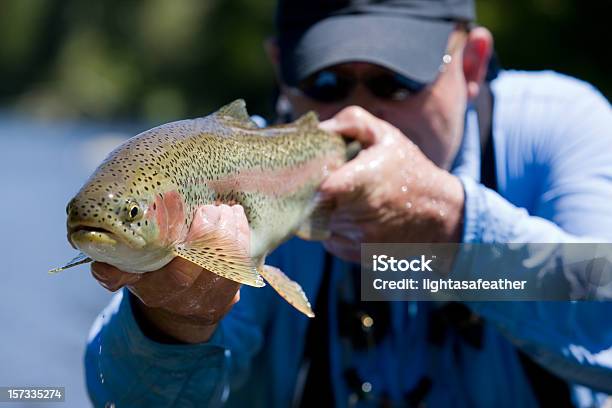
(348, 227)
(236, 298)
(156, 288)
(210, 214)
(357, 123)
(233, 222)
(343, 248)
(204, 221)
(243, 232)
(112, 278)
(226, 217)
(208, 298)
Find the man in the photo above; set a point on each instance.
(407, 79)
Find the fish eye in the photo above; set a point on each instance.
(133, 211)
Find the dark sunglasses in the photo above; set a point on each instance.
(330, 86)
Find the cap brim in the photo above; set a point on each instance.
(409, 46)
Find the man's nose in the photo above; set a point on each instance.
(361, 96)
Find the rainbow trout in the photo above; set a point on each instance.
(136, 210)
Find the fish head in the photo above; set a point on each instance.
(114, 219)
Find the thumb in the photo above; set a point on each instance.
(357, 123)
(112, 278)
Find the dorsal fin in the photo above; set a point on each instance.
(236, 112)
(308, 120)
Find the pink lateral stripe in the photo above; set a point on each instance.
(278, 182)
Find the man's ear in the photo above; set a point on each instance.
(476, 55)
(273, 53)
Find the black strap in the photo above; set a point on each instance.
(487, 160)
(549, 389)
(484, 109)
(317, 390)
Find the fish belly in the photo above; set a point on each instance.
(281, 219)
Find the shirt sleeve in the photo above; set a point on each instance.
(126, 368)
(573, 157)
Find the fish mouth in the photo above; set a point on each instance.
(94, 233)
(86, 236)
(91, 229)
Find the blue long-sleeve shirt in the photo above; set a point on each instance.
(553, 155)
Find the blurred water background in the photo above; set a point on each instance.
(78, 77)
(45, 318)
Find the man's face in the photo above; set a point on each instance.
(432, 118)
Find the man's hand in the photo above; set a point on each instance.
(391, 192)
(182, 302)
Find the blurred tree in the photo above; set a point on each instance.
(568, 36)
(162, 60)
(159, 59)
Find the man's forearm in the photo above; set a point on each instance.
(122, 364)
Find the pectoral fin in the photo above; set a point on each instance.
(223, 256)
(81, 258)
(291, 291)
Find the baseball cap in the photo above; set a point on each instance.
(406, 36)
